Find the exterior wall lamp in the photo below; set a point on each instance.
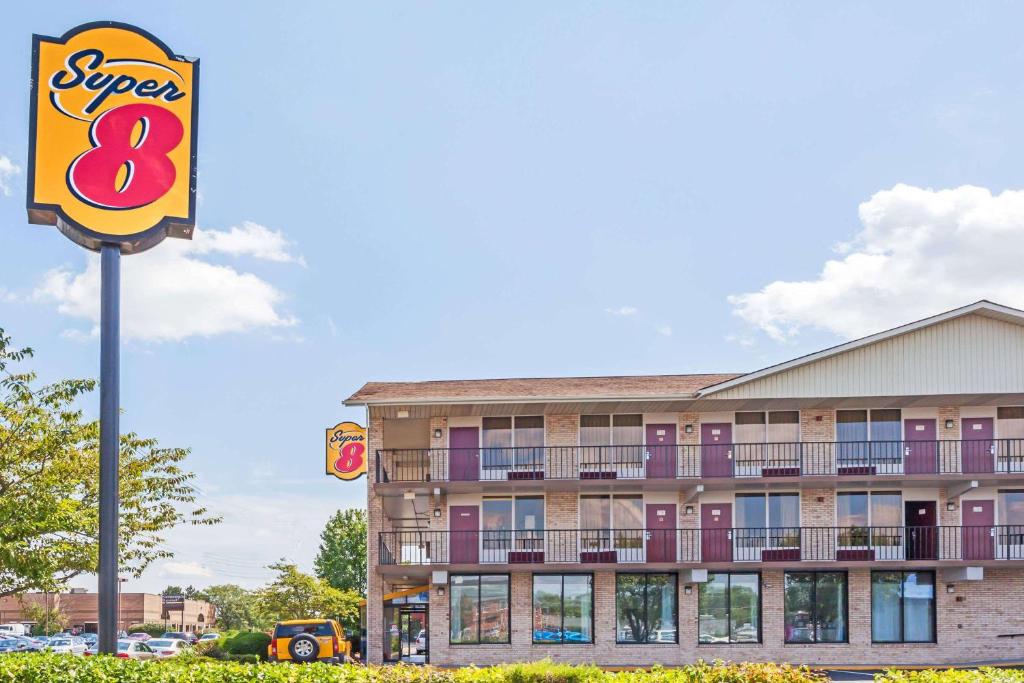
(437, 512)
(949, 424)
(440, 590)
(950, 588)
(687, 589)
(437, 433)
(688, 429)
(689, 509)
(950, 507)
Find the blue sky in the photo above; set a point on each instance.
(417, 191)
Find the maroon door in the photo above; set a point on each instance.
(661, 451)
(716, 450)
(661, 533)
(464, 454)
(979, 518)
(978, 445)
(922, 534)
(920, 456)
(716, 532)
(464, 543)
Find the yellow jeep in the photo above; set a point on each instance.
(309, 640)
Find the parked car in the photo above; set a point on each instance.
(421, 642)
(140, 636)
(190, 638)
(127, 649)
(8, 645)
(90, 638)
(167, 647)
(69, 646)
(31, 644)
(309, 640)
(207, 637)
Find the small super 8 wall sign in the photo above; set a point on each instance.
(112, 142)
(346, 451)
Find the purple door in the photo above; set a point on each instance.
(661, 451)
(979, 518)
(716, 532)
(922, 533)
(978, 447)
(716, 450)
(661, 533)
(464, 544)
(921, 454)
(464, 454)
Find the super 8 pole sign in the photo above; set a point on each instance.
(112, 144)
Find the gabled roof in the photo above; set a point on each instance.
(535, 389)
(983, 307)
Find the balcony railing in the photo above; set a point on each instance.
(703, 546)
(807, 458)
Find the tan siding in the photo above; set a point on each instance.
(973, 354)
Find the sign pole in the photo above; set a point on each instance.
(110, 403)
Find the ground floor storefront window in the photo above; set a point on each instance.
(729, 608)
(480, 609)
(815, 607)
(903, 607)
(563, 608)
(646, 609)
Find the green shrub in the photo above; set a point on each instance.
(246, 644)
(155, 630)
(983, 675)
(243, 668)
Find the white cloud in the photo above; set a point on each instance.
(251, 239)
(919, 252)
(184, 570)
(622, 310)
(665, 330)
(168, 294)
(8, 169)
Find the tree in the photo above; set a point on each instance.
(46, 616)
(341, 560)
(188, 592)
(49, 485)
(295, 595)
(237, 608)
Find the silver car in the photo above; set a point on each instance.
(68, 646)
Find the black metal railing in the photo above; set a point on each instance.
(703, 546)
(705, 461)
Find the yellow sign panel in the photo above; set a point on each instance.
(346, 451)
(112, 142)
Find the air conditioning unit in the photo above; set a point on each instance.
(439, 578)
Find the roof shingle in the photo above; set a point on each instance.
(637, 386)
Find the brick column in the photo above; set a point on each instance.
(374, 524)
(818, 426)
(561, 435)
(689, 453)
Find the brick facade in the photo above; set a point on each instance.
(968, 621)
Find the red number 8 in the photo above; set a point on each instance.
(351, 458)
(93, 175)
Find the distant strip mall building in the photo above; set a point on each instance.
(862, 504)
(80, 609)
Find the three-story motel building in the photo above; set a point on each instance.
(862, 504)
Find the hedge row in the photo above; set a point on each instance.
(983, 675)
(47, 668)
(190, 669)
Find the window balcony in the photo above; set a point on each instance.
(709, 461)
(790, 545)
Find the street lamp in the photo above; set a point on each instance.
(120, 581)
